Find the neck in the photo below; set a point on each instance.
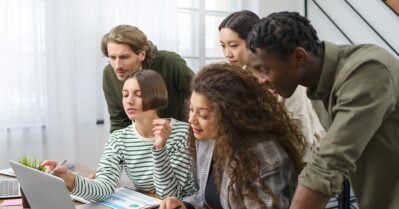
(313, 70)
(143, 124)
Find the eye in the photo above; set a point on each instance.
(233, 45)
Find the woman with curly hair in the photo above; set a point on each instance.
(248, 152)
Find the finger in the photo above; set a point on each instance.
(161, 121)
(61, 171)
(49, 165)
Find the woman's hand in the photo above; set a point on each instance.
(172, 203)
(61, 171)
(161, 128)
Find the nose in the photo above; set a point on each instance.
(191, 118)
(130, 100)
(117, 64)
(227, 52)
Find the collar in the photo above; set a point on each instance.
(328, 70)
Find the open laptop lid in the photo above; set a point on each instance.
(42, 190)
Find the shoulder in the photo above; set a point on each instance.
(168, 56)
(169, 59)
(119, 136)
(108, 70)
(270, 155)
(361, 56)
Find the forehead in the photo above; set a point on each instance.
(226, 34)
(199, 101)
(131, 83)
(114, 47)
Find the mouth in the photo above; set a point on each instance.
(233, 62)
(131, 110)
(121, 73)
(196, 130)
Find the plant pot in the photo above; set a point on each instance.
(25, 203)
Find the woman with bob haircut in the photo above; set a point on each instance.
(248, 152)
(153, 151)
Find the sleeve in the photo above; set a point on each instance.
(172, 168)
(363, 101)
(302, 113)
(107, 174)
(118, 118)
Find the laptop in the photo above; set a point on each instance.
(9, 188)
(45, 191)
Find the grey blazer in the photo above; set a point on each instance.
(277, 171)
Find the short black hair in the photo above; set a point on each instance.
(240, 22)
(282, 32)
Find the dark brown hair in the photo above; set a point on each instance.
(244, 115)
(153, 89)
(240, 22)
(131, 36)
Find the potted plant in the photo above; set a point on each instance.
(32, 163)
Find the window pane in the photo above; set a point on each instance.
(222, 5)
(188, 33)
(187, 3)
(212, 44)
(193, 63)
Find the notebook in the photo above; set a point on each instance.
(9, 188)
(45, 191)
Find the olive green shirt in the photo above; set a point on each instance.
(359, 86)
(177, 76)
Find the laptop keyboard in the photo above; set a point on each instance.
(9, 188)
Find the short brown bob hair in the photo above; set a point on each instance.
(154, 93)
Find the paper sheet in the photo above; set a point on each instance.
(12, 202)
(125, 198)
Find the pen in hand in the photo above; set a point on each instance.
(58, 165)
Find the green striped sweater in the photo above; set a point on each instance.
(166, 172)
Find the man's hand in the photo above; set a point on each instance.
(305, 198)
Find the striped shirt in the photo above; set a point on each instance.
(166, 171)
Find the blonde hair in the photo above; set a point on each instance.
(131, 36)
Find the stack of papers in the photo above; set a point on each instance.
(125, 198)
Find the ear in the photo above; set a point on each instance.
(299, 56)
(142, 56)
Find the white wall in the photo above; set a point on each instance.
(375, 12)
(269, 6)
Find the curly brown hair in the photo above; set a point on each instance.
(245, 114)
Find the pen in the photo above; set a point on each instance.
(58, 165)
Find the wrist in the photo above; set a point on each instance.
(70, 183)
